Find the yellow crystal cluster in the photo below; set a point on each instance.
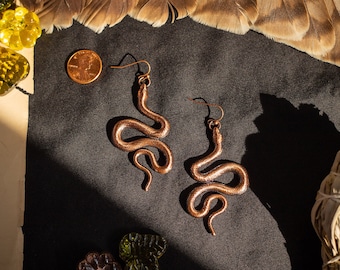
(19, 28)
(13, 68)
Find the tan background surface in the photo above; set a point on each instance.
(13, 133)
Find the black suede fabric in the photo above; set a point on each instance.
(281, 123)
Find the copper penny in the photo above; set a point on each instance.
(84, 66)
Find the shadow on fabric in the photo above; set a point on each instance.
(286, 161)
(65, 219)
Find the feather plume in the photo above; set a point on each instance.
(183, 8)
(283, 19)
(55, 13)
(333, 56)
(311, 26)
(320, 37)
(98, 14)
(336, 4)
(229, 15)
(331, 8)
(78, 6)
(156, 12)
(32, 5)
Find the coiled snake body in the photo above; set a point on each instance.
(138, 145)
(208, 186)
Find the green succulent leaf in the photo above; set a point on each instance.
(142, 251)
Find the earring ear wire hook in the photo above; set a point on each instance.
(210, 105)
(144, 78)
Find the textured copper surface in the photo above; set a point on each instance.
(84, 66)
(152, 136)
(213, 189)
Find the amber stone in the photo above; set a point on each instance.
(13, 68)
(142, 251)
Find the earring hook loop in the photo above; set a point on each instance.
(210, 105)
(142, 79)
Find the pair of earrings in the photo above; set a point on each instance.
(214, 190)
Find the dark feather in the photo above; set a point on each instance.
(283, 19)
(320, 37)
(157, 12)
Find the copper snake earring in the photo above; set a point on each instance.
(216, 190)
(152, 135)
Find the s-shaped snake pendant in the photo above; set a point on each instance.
(138, 145)
(216, 189)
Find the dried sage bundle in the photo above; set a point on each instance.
(325, 217)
